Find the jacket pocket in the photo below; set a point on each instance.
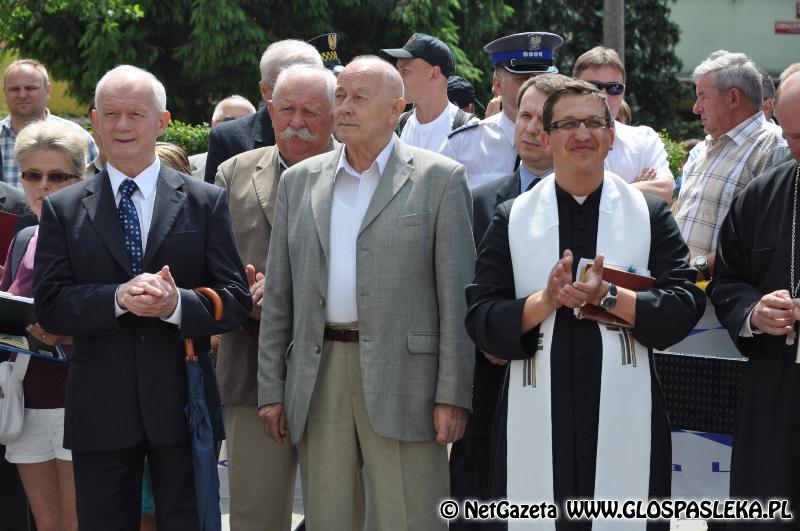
(423, 343)
(412, 220)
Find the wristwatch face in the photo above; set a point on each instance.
(610, 299)
(701, 262)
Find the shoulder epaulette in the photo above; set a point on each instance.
(463, 128)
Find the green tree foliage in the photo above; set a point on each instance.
(192, 138)
(204, 50)
(653, 89)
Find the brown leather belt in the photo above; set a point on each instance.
(345, 335)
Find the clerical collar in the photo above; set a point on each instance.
(527, 177)
(594, 197)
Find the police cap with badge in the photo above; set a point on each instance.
(525, 53)
(326, 46)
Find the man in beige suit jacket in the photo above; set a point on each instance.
(363, 357)
(261, 471)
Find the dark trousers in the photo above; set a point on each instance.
(108, 488)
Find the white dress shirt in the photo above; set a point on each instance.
(637, 148)
(352, 193)
(432, 135)
(144, 200)
(486, 149)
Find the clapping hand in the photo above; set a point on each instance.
(256, 283)
(149, 294)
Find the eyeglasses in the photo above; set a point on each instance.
(612, 89)
(53, 176)
(571, 124)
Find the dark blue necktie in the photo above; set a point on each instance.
(130, 225)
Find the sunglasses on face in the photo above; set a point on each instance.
(571, 124)
(53, 176)
(612, 89)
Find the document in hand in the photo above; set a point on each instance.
(625, 277)
(15, 314)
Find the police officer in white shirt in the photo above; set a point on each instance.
(638, 154)
(486, 148)
(425, 63)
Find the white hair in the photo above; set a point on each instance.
(306, 71)
(281, 54)
(129, 72)
(732, 70)
(217, 115)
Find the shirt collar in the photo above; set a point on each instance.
(381, 160)
(282, 166)
(5, 123)
(742, 131)
(507, 126)
(145, 181)
(526, 176)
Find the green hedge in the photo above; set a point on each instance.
(192, 138)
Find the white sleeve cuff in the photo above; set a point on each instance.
(746, 330)
(175, 318)
(117, 308)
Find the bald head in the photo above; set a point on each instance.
(787, 107)
(368, 102)
(231, 108)
(382, 71)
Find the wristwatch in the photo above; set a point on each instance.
(610, 300)
(701, 264)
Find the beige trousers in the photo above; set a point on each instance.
(406, 481)
(261, 474)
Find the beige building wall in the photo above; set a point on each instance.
(746, 26)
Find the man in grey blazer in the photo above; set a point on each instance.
(261, 472)
(363, 359)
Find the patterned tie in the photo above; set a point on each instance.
(130, 225)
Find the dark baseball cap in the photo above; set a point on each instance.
(461, 92)
(429, 49)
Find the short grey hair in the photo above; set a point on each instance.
(767, 85)
(303, 70)
(732, 70)
(129, 71)
(217, 115)
(281, 54)
(51, 135)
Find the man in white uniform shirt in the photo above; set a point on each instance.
(486, 148)
(638, 154)
(425, 63)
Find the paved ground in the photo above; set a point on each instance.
(297, 517)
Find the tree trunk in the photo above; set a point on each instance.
(614, 26)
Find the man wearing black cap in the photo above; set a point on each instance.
(486, 148)
(462, 93)
(425, 63)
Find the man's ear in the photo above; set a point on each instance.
(271, 110)
(497, 88)
(398, 108)
(545, 139)
(163, 122)
(266, 93)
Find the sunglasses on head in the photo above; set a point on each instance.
(53, 176)
(612, 89)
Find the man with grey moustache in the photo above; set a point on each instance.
(261, 471)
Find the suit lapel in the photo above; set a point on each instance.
(169, 200)
(102, 210)
(322, 198)
(508, 189)
(265, 181)
(396, 173)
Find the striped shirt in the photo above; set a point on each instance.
(8, 138)
(717, 172)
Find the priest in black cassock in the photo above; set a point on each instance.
(583, 414)
(755, 294)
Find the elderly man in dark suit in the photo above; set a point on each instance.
(117, 258)
(471, 456)
(255, 131)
